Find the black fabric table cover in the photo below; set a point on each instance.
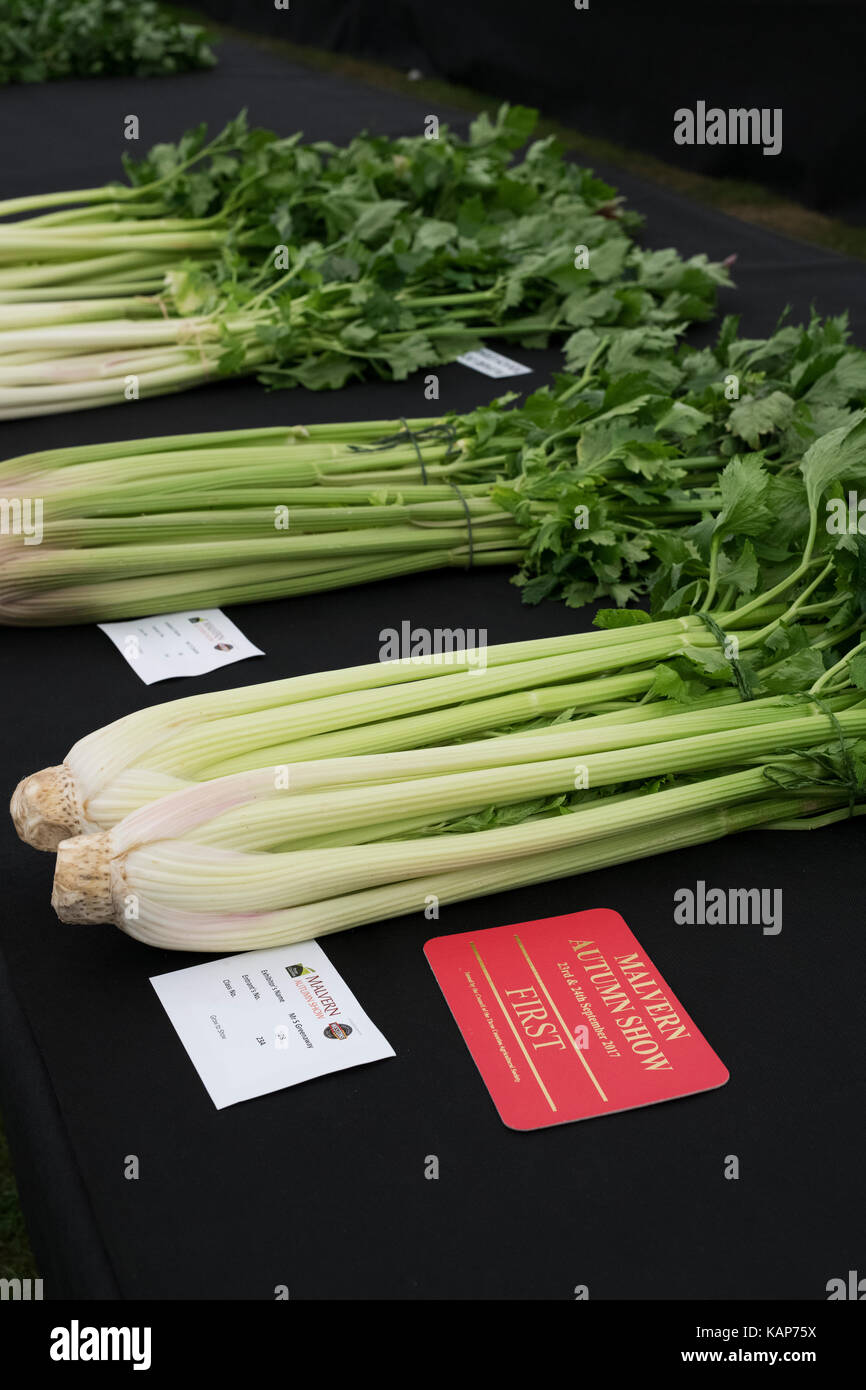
(322, 1187)
(619, 71)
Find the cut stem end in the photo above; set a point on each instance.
(46, 808)
(82, 892)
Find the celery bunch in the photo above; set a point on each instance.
(607, 485)
(265, 815)
(309, 264)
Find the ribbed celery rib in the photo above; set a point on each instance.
(158, 525)
(172, 927)
(387, 706)
(207, 519)
(271, 813)
(179, 874)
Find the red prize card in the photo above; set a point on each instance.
(568, 1018)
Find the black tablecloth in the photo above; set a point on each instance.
(322, 1187)
(619, 71)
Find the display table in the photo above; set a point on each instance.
(322, 1188)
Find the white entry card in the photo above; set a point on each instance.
(179, 644)
(260, 1021)
(491, 363)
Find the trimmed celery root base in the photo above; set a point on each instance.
(46, 808)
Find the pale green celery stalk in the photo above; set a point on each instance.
(39, 232)
(259, 825)
(47, 567)
(53, 804)
(247, 522)
(818, 822)
(85, 293)
(86, 376)
(363, 707)
(89, 376)
(102, 238)
(51, 370)
(133, 788)
(224, 932)
(108, 381)
(14, 359)
(243, 574)
(85, 272)
(70, 216)
(294, 445)
(180, 874)
(289, 435)
(29, 315)
(841, 667)
(89, 485)
(353, 431)
(136, 787)
(438, 725)
(238, 815)
(19, 403)
(109, 193)
(343, 712)
(383, 830)
(77, 262)
(119, 333)
(571, 738)
(122, 195)
(130, 598)
(389, 832)
(104, 753)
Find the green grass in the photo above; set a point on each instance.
(16, 1257)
